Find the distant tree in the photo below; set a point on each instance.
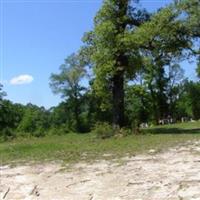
(10, 114)
(188, 101)
(35, 120)
(59, 115)
(198, 68)
(175, 76)
(163, 85)
(193, 94)
(2, 114)
(190, 9)
(162, 41)
(156, 82)
(92, 110)
(2, 93)
(138, 105)
(67, 83)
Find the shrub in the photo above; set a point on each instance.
(22, 134)
(103, 130)
(61, 130)
(124, 132)
(40, 132)
(7, 134)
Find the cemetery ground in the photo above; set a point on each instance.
(163, 163)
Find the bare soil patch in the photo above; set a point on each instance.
(174, 175)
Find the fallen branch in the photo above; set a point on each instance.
(71, 184)
(135, 183)
(33, 190)
(91, 198)
(83, 181)
(6, 193)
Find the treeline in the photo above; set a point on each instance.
(31, 120)
(126, 72)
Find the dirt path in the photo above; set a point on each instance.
(173, 175)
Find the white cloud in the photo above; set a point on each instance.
(21, 79)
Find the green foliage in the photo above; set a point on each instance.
(198, 68)
(10, 114)
(60, 130)
(7, 134)
(60, 114)
(123, 132)
(188, 102)
(138, 106)
(103, 130)
(125, 40)
(191, 10)
(163, 84)
(67, 82)
(109, 56)
(35, 120)
(193, 92)
(2, 93)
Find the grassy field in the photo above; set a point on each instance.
(75, 147)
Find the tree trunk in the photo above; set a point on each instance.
(122, 62)
(76, 110)
(118, 99)
(154, 104)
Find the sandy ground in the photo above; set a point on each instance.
(174, 175)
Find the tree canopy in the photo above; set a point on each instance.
(126, 39)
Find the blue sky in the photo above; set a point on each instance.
(36, 36)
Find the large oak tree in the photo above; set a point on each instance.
(113, 62)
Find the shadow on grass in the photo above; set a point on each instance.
(172, 131)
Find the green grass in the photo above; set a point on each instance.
(179, 128)
(185, 125)
(75, 147)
